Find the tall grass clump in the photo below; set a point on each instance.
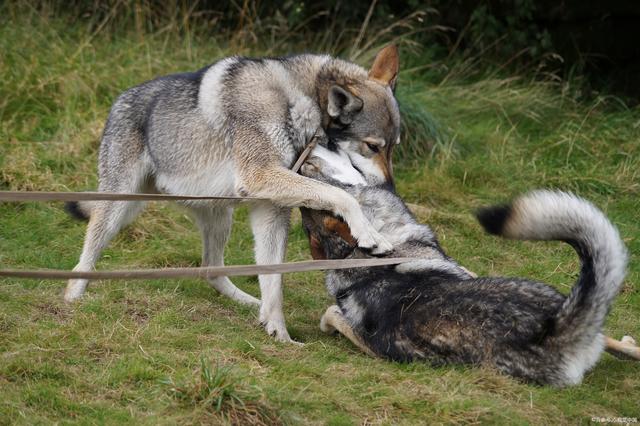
(216, 391)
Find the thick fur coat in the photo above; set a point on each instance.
(432, 309)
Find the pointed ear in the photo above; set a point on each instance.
(386, 66)
(342, 104)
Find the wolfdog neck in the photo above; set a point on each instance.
(392, 218)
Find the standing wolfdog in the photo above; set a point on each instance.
(236, 127)
(433, 309)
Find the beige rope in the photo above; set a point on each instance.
(104, 196)
(205, 272)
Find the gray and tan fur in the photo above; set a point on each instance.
(235, 128)
(432, 309)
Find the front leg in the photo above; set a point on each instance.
(270, 225)
(287, 189)
(333, 320)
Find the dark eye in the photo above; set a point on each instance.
(373, 147)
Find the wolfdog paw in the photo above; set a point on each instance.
(326, 320)
(371, 239)
(383, 247)
(278, 331)
(74, 291)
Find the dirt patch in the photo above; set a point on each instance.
(138, 311)
(49, 310)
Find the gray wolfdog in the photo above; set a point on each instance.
(435, 310)
(236, 127)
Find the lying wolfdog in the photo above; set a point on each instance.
(434, 309)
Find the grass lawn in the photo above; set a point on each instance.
(173, 351)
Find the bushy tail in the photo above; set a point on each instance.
(80, 210)
(552, 215)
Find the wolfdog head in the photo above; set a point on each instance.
(361, 114)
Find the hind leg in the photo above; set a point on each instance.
(107, 218)
(126, 171)
(215, 226)
(333, 320)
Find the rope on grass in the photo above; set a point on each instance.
(205, 272)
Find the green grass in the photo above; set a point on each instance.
(173, 351)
